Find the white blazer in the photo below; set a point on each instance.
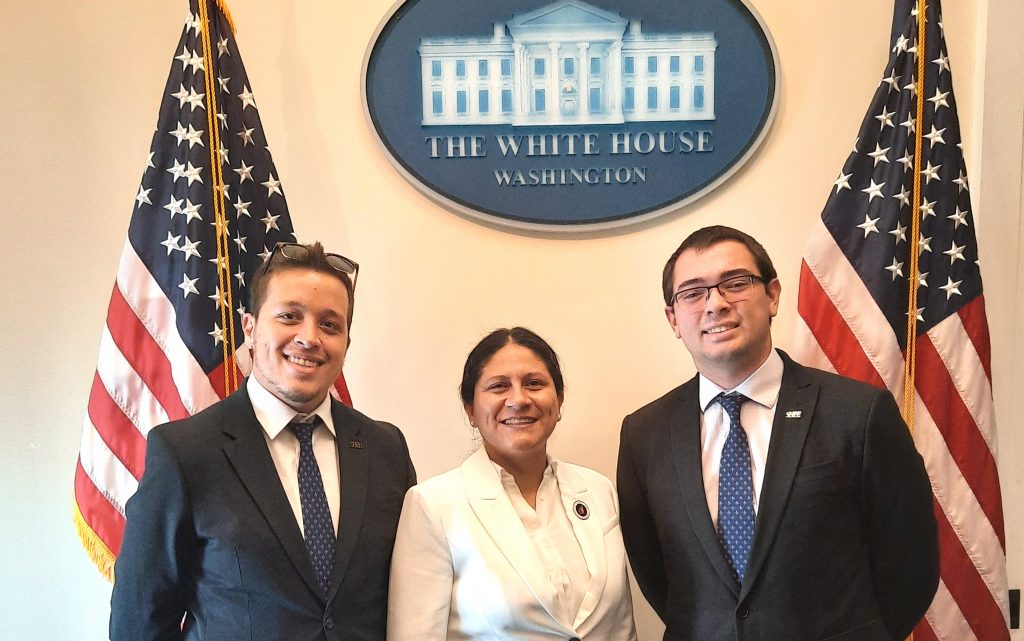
(464, 566)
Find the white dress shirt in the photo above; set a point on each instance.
(554, 541)
(756, 416)
(275, 415)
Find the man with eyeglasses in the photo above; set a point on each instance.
(763, 500)
(270, 515)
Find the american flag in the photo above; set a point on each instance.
(209, 210)
(855, 287)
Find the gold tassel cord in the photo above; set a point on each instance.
(225, 303)
(910, 364)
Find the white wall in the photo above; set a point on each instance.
(81, 86)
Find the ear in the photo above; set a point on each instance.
(774, 294)
(248, 327)
(469, 411)
(670, 316)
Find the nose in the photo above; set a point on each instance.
(517, 397)
(715, 301)
(308, 334)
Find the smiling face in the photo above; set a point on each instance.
(515, 406)
(300, 336)
(728, 341)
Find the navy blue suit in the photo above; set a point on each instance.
(211, 537)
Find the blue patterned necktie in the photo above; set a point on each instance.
(735, 489)
(316, 515)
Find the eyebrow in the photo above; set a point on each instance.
(726, 275)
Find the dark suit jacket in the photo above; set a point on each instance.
(845, 544)
(211, 537)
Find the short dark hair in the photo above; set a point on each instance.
(489, 346)
(708, 236)
(314, 260)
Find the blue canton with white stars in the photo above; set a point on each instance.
(869, 211)
(735, 489)
(317, 525)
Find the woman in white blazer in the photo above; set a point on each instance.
(512, 545)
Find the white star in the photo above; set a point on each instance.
(177, 170)
(194, 23)
(173, 206)
(930, 173)
(225, 189)
(892, 80)
(244, 173)
(195, 99)
(191, 211)
(924, 245)
(856, 141)
(907, 160)
(188, 285)
(911, 87)
(196, 62)
(241, 310)
(246, 136)
(217, 333)
(922, 279)
(896, 268)
(242, 208)
(224, 156)
(223, 82)
(171, 243)
(193, 137)
(219, 263)
(870, 225)
(192, 174)
(270, 222)
(961, 181)
(903, 197)
(222, 47)
(183, 57)
(265, 254)
(955, 253)
(223, 118)
(935, 136)
(909, 124)
(180, 133)
(246, 97)
(951, 288)
(920, 314)
(181, 95)
(142, 197)
(939, 99)
(900, 233)
(189, 249)
(149, 161)
(885, 118)
(943, 62)
(240, 275)
(273, 186)
(874, 190)
(901, 44)
(843, 182)
(240, 241)
(927, 208)
(958, 218)
(879, 154)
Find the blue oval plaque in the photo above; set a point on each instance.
(570, 115)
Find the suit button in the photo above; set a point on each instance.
(743, 612)
(329, 623)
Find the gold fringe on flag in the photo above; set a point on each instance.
(97, 550)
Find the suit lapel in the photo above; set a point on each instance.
(589, 534)
(353, 465)
(793, 414)
(249, 456)
(493, 509)
(684, 430)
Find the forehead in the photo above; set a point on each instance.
(709, 265)
(306, 287)
(511, 359)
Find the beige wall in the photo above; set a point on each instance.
(81, 86)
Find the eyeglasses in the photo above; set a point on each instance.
(732, 290)
(299, 252)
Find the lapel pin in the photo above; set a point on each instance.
(794, 414)
(356, 445)
(581, 510)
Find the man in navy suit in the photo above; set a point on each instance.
(763, 500)
(272, 514)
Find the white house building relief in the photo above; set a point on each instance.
(568, 63)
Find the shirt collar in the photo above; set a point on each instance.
(274, 414)
(762, 386)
